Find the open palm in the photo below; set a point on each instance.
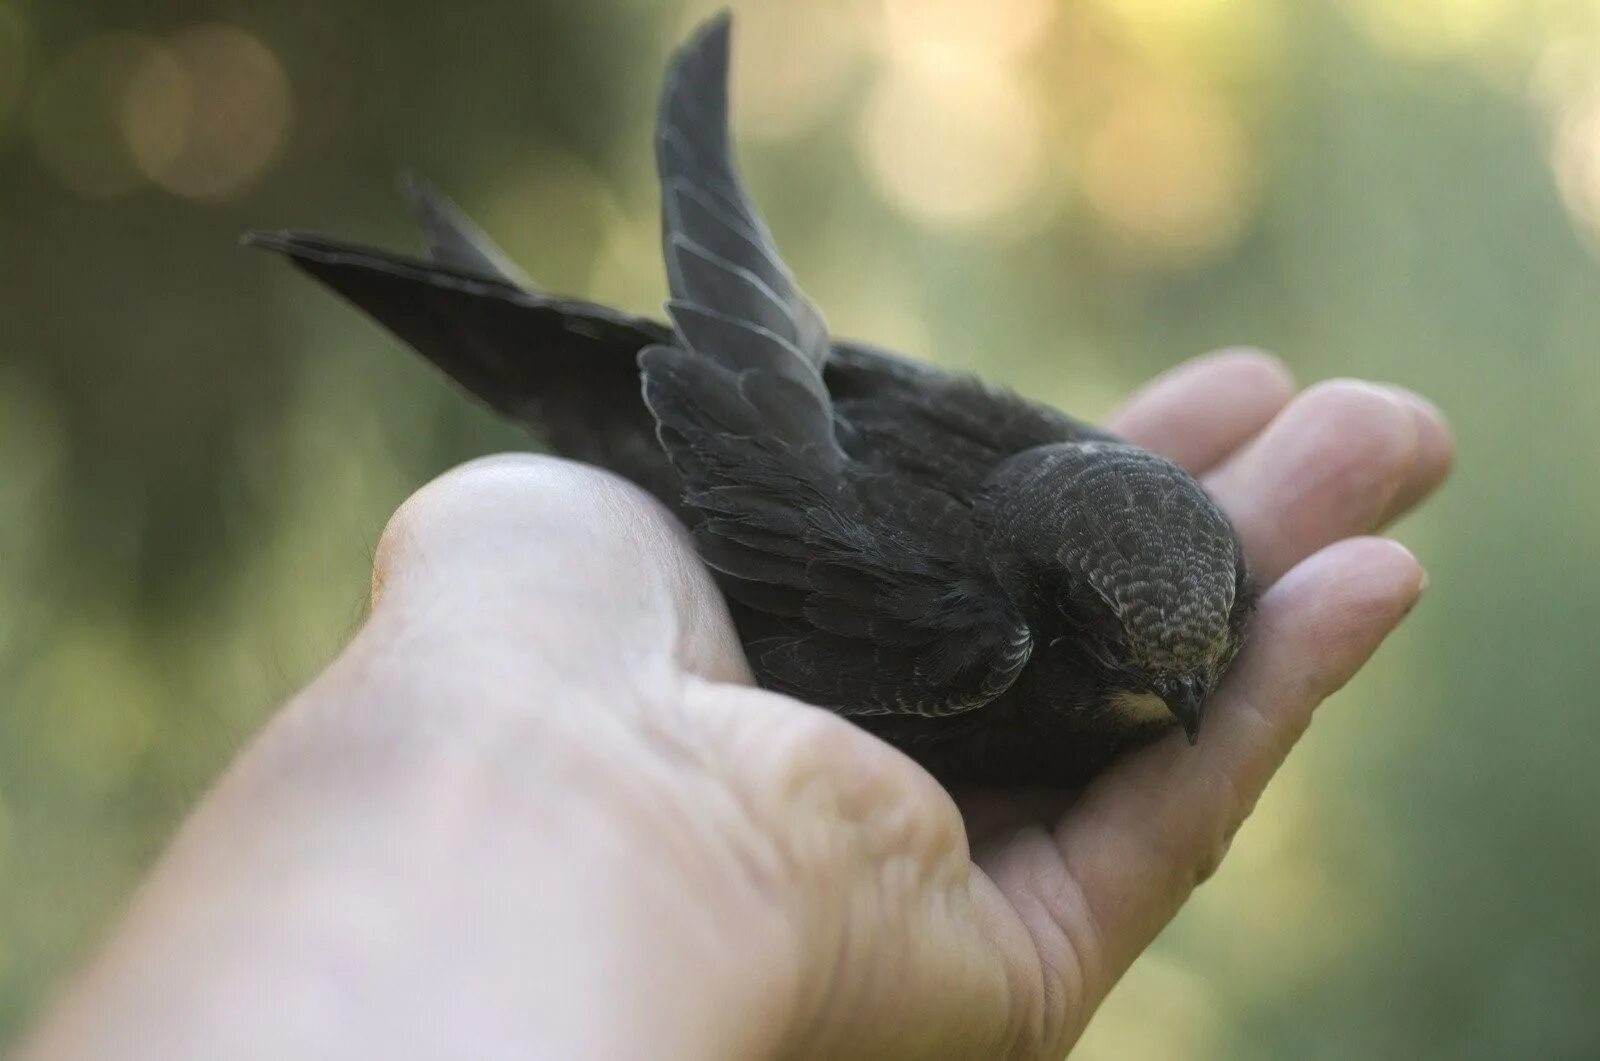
(536, 809)
(993, 927)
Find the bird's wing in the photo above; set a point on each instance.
(566, 368)
(876, 585)
(452, 239)
(718, 251)
(900, 414)
(502, 343)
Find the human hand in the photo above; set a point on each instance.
(536, 809)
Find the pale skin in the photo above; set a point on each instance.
(535, 809)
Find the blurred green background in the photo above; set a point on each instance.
(198, 449)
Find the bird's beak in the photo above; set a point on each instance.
(1184, 697)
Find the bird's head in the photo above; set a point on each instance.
(1127, 571)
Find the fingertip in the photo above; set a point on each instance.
(1330, 465)
(501, 528)
(1201, 411)
(1436, 443)
(1262, 373)
(554, 552)
(1397, 577)
(1435, 452)
(1360, 408)
(1330, 612)
(1354, 572)
(1408, 570)
(449, 518)
(1159, 821)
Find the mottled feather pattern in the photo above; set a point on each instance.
(1151, 544)
(1167, 574)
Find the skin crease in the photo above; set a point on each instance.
(533, 809)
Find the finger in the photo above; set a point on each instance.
(1332, 464)
(1436, 449)
(1155, 825)
(1203, 410)
(993, 814)
(577, 564)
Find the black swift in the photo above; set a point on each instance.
(1005, 593)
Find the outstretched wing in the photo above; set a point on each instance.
(875, 587)
(718, 252)
(566, 368)
(452, 239)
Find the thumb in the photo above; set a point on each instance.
(556, 558)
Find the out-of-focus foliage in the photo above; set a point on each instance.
(198, 449)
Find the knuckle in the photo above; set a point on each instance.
(438, 504)
(483, 479)
(501, 483)
(522, 496)
(1211, 860)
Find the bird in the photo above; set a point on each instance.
(1007, 594)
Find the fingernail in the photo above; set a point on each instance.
(1422, 572)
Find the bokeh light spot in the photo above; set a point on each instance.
(1575, 157)
(1167, 171)
(100, 697)
(998, 28)
(157, 110)
(790, 69)
(869, 289)
(74, 118)
(546, 207)
(951, 142)
(1433, 27)
(1226, 37)
(208, 117)
(627, 271)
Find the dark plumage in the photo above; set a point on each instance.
(1004, 592)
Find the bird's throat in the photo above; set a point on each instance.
(1140, 707)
